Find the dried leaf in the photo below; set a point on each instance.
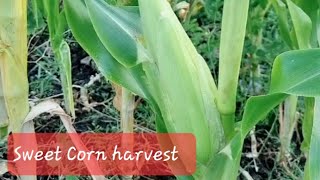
(54, 108)
(118, 97)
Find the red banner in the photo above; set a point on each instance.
(101, 154)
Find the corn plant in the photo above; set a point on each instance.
(303, 35)
(56, 22)
(298, 38)
(147, 51)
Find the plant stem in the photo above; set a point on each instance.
(13, 61)
(287, 123)
(307, 124)
(13, 69)
(127, 110)
(234, 22)
(127, 121)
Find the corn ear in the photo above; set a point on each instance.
(181, 81)
(172, 64)
(13, 63)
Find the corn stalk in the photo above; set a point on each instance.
(127, 111)
(127, 121)
(233, 30)
(297, 38)
(13, 64)
(13, 69)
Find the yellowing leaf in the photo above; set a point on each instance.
(13, 60)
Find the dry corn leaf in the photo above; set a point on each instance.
(54, 108)
(118, 97)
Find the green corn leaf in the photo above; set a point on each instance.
(252, 114)
(317, 36)
(229, 157)
(290, 76)
(312, 169)
(131, 78)
(63, 56)
(308, 6)
(294, 40)
(36, 11)
(307, 124)
(127, 2)
(281, 11)
(51, 8)
(81, 27)
(300, 35)
(132, 9)
(302, 25)
(66, 80)
(35, 16)
(121, 34)
(57, 24)
(303, 75)
(62, 25)
(286, 69)
(225, 164)
(312, 10)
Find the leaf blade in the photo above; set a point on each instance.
(81, 27)
(119, 33)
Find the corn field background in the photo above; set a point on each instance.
(272, 150)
